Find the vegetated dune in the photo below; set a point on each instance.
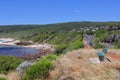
(75, 65)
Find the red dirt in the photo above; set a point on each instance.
(88, 47)
(114, 56)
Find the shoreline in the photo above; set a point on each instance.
(41, 46)
(12, 42)
(7, 41)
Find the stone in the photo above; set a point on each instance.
(23, 66)
(94, 60)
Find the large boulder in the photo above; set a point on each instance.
(23, 66)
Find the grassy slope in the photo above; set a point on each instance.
(76, 65)
(20, 30)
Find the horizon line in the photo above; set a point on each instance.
(58, 23)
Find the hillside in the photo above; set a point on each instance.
(20, 30)
(68, 61)
(106, 34)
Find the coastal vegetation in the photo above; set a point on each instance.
(65, 33)
(65, 37)
(28, 30)
(8, 63)
(2, 79)
(40, 69)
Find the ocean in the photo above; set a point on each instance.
(16, 50)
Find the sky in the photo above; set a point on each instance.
(57, 11)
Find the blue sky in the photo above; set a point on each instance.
(55, 11)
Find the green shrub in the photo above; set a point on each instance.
(101, 35)
(51, 57)
(60, 48)
(76, 45)
(2, 78)
(40, 69)
(116, 45)
(98, 45)
(61, 37)
(8, 63)
(100, 32)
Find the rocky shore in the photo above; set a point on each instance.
(43, 49)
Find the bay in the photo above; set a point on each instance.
(7, 50)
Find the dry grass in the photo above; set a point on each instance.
(11, 76)
(76, 66)
(116, 51)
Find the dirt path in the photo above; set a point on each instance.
(86, 41)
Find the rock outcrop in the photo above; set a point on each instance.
(112, 38)
(23, 43)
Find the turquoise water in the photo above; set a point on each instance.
(2, 41)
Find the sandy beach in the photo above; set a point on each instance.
(7, 41)
(42, 46)
(10, 41)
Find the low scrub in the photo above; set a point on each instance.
(2, 79)
(98, 45)
(40, 69)
(60, 48)
(8, 63)
(76, 45)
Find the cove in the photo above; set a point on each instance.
(7, 50)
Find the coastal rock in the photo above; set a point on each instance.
(117, 36)
(111, 28)
(41, 53)
(112, 38)
(23, 66)
(24, 43)
(32, 35)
